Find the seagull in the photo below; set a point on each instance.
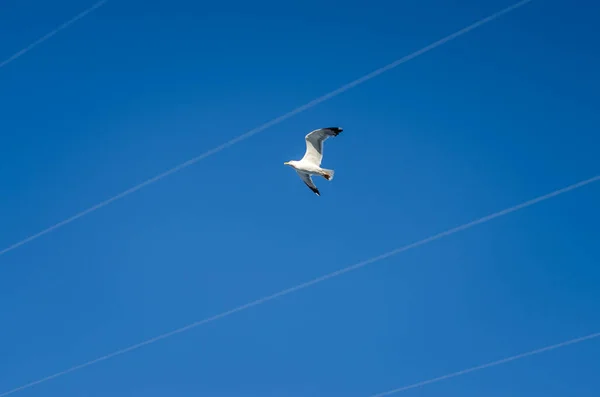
(310, 164)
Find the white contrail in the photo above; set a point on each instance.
(52, 33)
(488, 365)
(309, 283)
(268, 124)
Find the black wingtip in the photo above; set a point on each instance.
(335, 130)
(314, 189)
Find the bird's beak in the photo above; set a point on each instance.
(286, 163)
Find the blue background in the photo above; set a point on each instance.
(499, 116)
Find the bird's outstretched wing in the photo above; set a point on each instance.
(308, 181)
(314, 144)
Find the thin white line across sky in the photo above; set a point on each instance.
(307, 284)
(273, 122)
(49, 35)
(489, 365)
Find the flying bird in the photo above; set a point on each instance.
(310, 164)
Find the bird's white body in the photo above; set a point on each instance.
(310, 164)
(310, 168)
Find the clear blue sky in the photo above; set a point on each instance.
(499, 116)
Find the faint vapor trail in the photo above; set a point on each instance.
(489, 365)
(52, 33)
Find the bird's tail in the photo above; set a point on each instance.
(328, 174)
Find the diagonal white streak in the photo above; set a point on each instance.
(52, 33)
(489, 365)
(310, 283)
(263, 127)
